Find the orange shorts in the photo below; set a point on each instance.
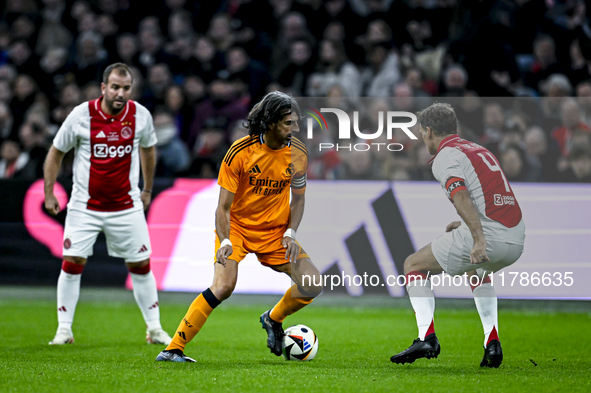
(265, 243)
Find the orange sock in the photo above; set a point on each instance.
(292, 301)
(194, 320)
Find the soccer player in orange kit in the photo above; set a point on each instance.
(254, 215)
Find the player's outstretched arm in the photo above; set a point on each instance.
(222, 225)
(51, 168)
(467, 210)
(148, 161)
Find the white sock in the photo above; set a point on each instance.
(146, 296)
(485, 298)
(423, 302)
(68, 292)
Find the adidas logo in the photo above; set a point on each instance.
(101, 135)
(182, 334)
(143, 249)
(62, 308)
(306, 345)
(255, 169)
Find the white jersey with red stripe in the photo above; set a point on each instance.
(463, 165)
(106, 161)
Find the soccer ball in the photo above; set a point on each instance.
(299, 343)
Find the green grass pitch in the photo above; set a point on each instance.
(546, 349)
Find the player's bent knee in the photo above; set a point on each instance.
(223, 291)
(410, 263)
(139, 264)
(313, 287)
(141, 267)
(76, 260)
(315, 291)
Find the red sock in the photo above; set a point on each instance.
(72, 268)
(493, 335)
(140, 270)
(430, 330)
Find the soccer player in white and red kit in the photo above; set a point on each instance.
(109, 135)
(489, 237)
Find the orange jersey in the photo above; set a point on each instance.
(260, 178)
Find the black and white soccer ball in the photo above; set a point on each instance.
(300, 343)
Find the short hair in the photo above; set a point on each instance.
(121, 69)
(559, 81)
(270, 110)
(456, 67)
(440, 117)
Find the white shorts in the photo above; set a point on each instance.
(126, 232)
(452, 252)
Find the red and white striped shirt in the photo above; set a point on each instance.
(463, 165)
(106, 162)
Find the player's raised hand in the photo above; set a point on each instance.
(453, 225)
(478, 253)
(292, 248)
(223, 253)
(52, 204)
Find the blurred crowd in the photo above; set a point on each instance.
(199, 66)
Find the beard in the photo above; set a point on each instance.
(111, 104)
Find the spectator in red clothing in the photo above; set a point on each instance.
(571, 123)
(421, 87)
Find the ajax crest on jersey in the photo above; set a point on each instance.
(299, 343)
